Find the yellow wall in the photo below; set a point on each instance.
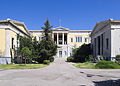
(36, 34)
(74, 35)
(2, 42)
(13, 35)
(70, 35)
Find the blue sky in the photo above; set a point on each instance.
(74, 14)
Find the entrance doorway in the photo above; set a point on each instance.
(60, 54)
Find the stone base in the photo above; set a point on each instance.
(5, 60)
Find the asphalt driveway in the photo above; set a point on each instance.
(60, 73)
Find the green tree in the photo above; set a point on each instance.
(35, 47)
(26, 53)
(22, 42)
(47, 47)
(82, 53)
(25, 42)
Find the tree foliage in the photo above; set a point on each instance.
(35, 50)
(41, 50)
(25, 52)
(25, 42)
(82, 53)
(47, 47)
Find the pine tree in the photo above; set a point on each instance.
(47, 47)
(35, 47)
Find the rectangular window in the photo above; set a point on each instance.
(39, 38)
(85, 39)
(71, 39)
(65, 53)
(107, 43)
(78, 39)
(12, 43)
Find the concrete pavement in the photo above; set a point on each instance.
(58, 73)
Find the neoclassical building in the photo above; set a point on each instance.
(9, 30)
(105, 39)
(66, 39)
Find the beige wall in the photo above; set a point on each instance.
(13, 35)
(37, 35)
(74, 35)
(70, 35)
(2, 42)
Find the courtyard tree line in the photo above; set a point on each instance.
(32, 51)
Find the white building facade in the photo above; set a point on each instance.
(66, 39)
(105, 39)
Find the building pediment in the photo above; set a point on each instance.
(100, 26)
(18, 25)
(60, 29)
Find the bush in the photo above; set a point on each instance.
(82, 53)
(46, 61)
(107, 65)
(51, 59)
(118, 59)
(70, 59)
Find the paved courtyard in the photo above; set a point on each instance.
(60, 73)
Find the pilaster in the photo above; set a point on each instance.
(7, 43)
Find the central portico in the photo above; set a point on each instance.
(60, 37)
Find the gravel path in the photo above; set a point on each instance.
(60, 73)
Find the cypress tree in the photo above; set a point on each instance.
(47, 47)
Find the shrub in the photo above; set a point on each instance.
(82, 53)
(107, 65)
(51, 59)
(46, 61)
(70, 59)
(38, 59)
(118, 59)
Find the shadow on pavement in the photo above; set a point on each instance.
(108, 83)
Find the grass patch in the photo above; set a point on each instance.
(21, 66)
(99, 65)
(86, 65)
(107, 65)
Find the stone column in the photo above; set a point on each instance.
(53, 36)
(63, 38)
(67, 41)
(57, 39)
